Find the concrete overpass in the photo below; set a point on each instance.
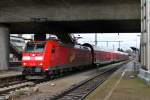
(41, 16)
(60, 10)
(71, 15)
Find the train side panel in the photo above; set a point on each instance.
(56, 56)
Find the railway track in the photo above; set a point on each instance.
(82, 89)
(76, 92)
(12, 83)
(5, 81)
(9, 88)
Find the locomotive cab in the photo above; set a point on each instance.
(33, 56)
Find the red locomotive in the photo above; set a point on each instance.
(46, 58)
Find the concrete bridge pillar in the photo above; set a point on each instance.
(145, 40)
(4, 47)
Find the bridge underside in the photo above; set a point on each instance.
(107, 16)
(101, 26)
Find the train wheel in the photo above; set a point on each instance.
(50, 75)
(56, 73)
(66, 71)
(61, 72)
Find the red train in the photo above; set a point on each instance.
(46, 58)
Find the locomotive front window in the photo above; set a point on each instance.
(35, 47)
(40, 47)
(30, 47)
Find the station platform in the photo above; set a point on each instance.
(122, 85)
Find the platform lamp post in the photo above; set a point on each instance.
(113, 47)
(95, 39)
(137, 40)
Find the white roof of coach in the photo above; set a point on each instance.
(102, 49)
(107, 50)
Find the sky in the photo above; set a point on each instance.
(127, 39)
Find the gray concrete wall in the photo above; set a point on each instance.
(145, 36)
(58, 10)
(4, 48)
(144, 72)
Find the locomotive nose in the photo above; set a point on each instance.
(33, 59)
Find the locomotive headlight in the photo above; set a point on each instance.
(24, 64)
(39, 58)
(26, 58)
(41, 64)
